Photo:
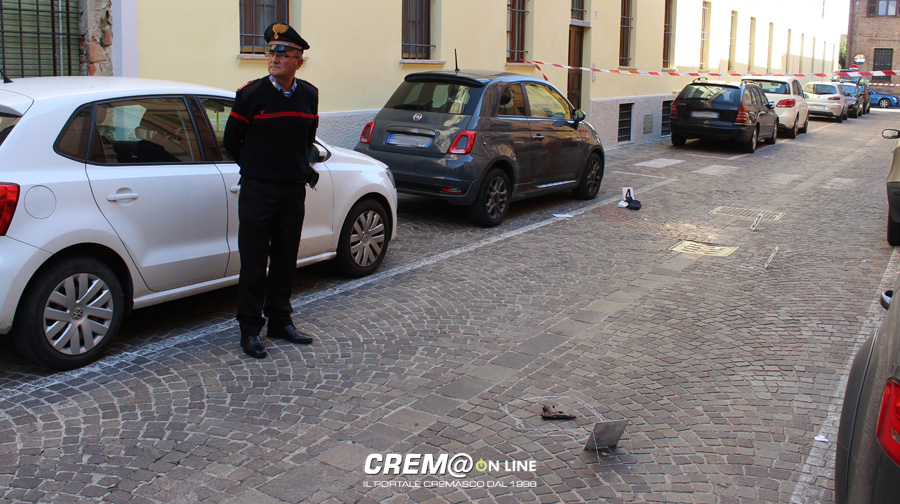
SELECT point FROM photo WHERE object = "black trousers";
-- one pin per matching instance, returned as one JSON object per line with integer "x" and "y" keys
{"x": 271, "y": 219}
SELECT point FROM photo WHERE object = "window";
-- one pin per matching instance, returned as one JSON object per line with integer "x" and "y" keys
{"x": 148, "y": 130}
{"x": 669, "y": 35}
{"x": 704, "y": 37}
{"x": 883, "y": 59}
{"x": 625, "y": 122}
{"x": 217, "y": 111}
{"x": 545, "y": 102}
{"x": 435, "y": 96}
{"x": 416, "y": 29}
{"x": 750, "y": 58}
{"x": 578, "y": 10}
{"x": 515, "y": 31}
{"x": 625, "y": 29}
{"x": 256, "y": 16}
{"x": 882, "y": 8}
{"x": 40, "y": 37}
{"x": 512, "y": 102}
{"x": 732, "y": 41}
{"x": 666, "y": 116}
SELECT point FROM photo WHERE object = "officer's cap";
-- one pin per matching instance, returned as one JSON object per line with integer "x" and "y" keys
{"x": 283, "y": 35}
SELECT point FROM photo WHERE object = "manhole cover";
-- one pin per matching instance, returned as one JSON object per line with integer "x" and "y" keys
{"x": 706, "y": 249}
{"x": 745, "y": 212}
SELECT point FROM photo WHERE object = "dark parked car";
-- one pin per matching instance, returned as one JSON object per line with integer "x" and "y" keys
{"x": 862, "y": 84}
{"x": 855, "y": 98}
{"x": 893, "y": 190}
{"x": 723, "y": 111}
{"x": 483, "y": 139}
{"x": 867, "y": 455}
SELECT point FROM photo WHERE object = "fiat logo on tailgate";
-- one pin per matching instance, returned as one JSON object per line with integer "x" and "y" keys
{"x": 417, "y": 116}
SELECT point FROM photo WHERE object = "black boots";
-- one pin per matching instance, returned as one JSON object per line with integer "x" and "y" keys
{"x": 289, "y": 333}
{"x": 253, "y": 346}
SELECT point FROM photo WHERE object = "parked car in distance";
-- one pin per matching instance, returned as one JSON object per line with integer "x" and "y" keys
{"x": 883, "y": 100}
{"x": 867, "y": 452}
{"x": 786, "y": 93}
{"x": 861, "y": 83}
{"x": 854, "y": 95}
{"x": 737, "y": 112}
{"x": 484, "y": 139}
{"x": 117, "y": 194}
{"x": 826, "y": 99}
{"x": 893, "y": 190}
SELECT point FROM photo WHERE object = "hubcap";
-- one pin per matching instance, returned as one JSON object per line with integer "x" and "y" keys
{"x": 78, "y": 314}
{"x": 497, "y": 198}
{"x": 367, "y": 238}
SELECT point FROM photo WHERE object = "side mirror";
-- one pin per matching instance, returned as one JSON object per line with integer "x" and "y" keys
{"x": 578, "y": 115}
{"x": 890, "y": 134}
{"x": 319, "y": 153}
{"x": 886, "y": 297}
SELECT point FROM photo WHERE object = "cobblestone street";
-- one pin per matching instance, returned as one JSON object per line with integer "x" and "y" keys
{"x": 727, "y": 367}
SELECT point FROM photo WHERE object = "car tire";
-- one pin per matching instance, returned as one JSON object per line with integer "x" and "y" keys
{"x": 792, "y": 132}
{"x": 591, "y": 178}
{"x": 774, "y": 138}
{"x": 854, "y": 113}
{"x": 364, "y": 239}
{"x": 678, "y": 140}
{"x": 840, "y": 118}
{"x": 893, "y": 233}
{"x": 70, "y": 313}
{"x": 492, "y": 201}
{"x": 884, "y": 103}
{"x": 750, "y": 145}
{"x": 805, "y": 127}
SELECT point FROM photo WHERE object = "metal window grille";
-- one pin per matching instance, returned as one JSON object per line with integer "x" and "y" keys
{"x": 666, "y": 116}
{"x": 625, "y": 110}
{"x": 578, "y": 10}
{"x": 39, "y": 37}
{"x": 625, "y": 34}
{"x": 704, "y": 37}
{"x": 416, "y": 29}
{"x": 256, "y": 16}
{"x": 882, "y": 59}
{"x": 515, "y": 31}
{"x": 668, "y": 35}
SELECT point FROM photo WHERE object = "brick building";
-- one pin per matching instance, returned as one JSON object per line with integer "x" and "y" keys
{"x": 874, "y": 34}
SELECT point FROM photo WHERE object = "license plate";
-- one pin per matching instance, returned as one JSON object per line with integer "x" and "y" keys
{"x": 706, "y": 115}
{"x": 403, "y": 140}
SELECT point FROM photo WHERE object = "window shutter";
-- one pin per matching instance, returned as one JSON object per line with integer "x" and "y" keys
{"x": 873, "y": 8}
{"x": 39, "y": 37}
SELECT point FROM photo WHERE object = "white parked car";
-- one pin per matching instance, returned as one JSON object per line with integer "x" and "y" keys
{"x": 116, "y": 194}
{"x": 786, "y": 94}
{"x": 827, "y": 99}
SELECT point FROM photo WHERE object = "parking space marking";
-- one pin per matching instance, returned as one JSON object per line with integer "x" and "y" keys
{"x": 116, "y": 362}
{"x": 821, "y": 456}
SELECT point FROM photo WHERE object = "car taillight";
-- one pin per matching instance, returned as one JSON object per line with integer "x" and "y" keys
{"x": 463, "y": 142}
{"x": 787, "y": 103}
{"x": 9, "y": 196}
{"x": 674, "y": 111}
{"x": 834, "y": 98}
{"x": 366, "y": 135}
{"x": 888, "y": 430}
{"x": 743, "y": 117}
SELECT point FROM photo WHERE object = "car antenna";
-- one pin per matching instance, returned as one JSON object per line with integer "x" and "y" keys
{"x": 455, "y": 60}
{"x": 6, "y": 80}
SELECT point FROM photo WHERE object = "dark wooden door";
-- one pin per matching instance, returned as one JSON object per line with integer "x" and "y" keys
{"x": 576, "y": 57}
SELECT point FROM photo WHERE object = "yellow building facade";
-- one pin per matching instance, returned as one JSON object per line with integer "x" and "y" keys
{"x": 356, "y": 58}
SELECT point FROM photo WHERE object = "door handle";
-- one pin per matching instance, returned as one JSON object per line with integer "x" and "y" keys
{"x": 235, "y": 188}
{"x": 538, "y": 137}
{"x": 122, "y": 196}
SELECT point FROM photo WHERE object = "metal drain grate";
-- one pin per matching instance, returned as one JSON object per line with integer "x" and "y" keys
{"x": 705, "y": 249}
{"x": 745, "y": 212}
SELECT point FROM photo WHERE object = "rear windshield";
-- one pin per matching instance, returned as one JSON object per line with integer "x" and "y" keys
{"x": 774, "y": 87}
{"x": 712, "y": 93}
{"x": 850, "y": 88}
{"x": 7, "y": 121}
{"x": 448, "y": 98}
{"x": 820, "y": 88}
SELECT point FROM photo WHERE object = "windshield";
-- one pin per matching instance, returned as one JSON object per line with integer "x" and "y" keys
{"x": 712, "y": 93}
{"x": 773, "y": 87}
{"x": 820, "y": 89}
{"x": 449, "y": 98}
{"x": 7, "y": 121}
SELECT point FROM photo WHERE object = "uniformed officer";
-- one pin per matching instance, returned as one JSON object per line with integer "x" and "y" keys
{"x": 270, "y": 134}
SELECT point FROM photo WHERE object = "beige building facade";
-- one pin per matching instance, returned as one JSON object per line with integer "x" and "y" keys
{"x": 361, "y": 49}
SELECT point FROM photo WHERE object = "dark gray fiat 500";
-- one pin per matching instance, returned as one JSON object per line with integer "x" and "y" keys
{"x": 484, "y": 139}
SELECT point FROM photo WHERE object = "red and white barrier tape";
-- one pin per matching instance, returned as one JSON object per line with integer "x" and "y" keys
{"x": 875, "y": 73}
